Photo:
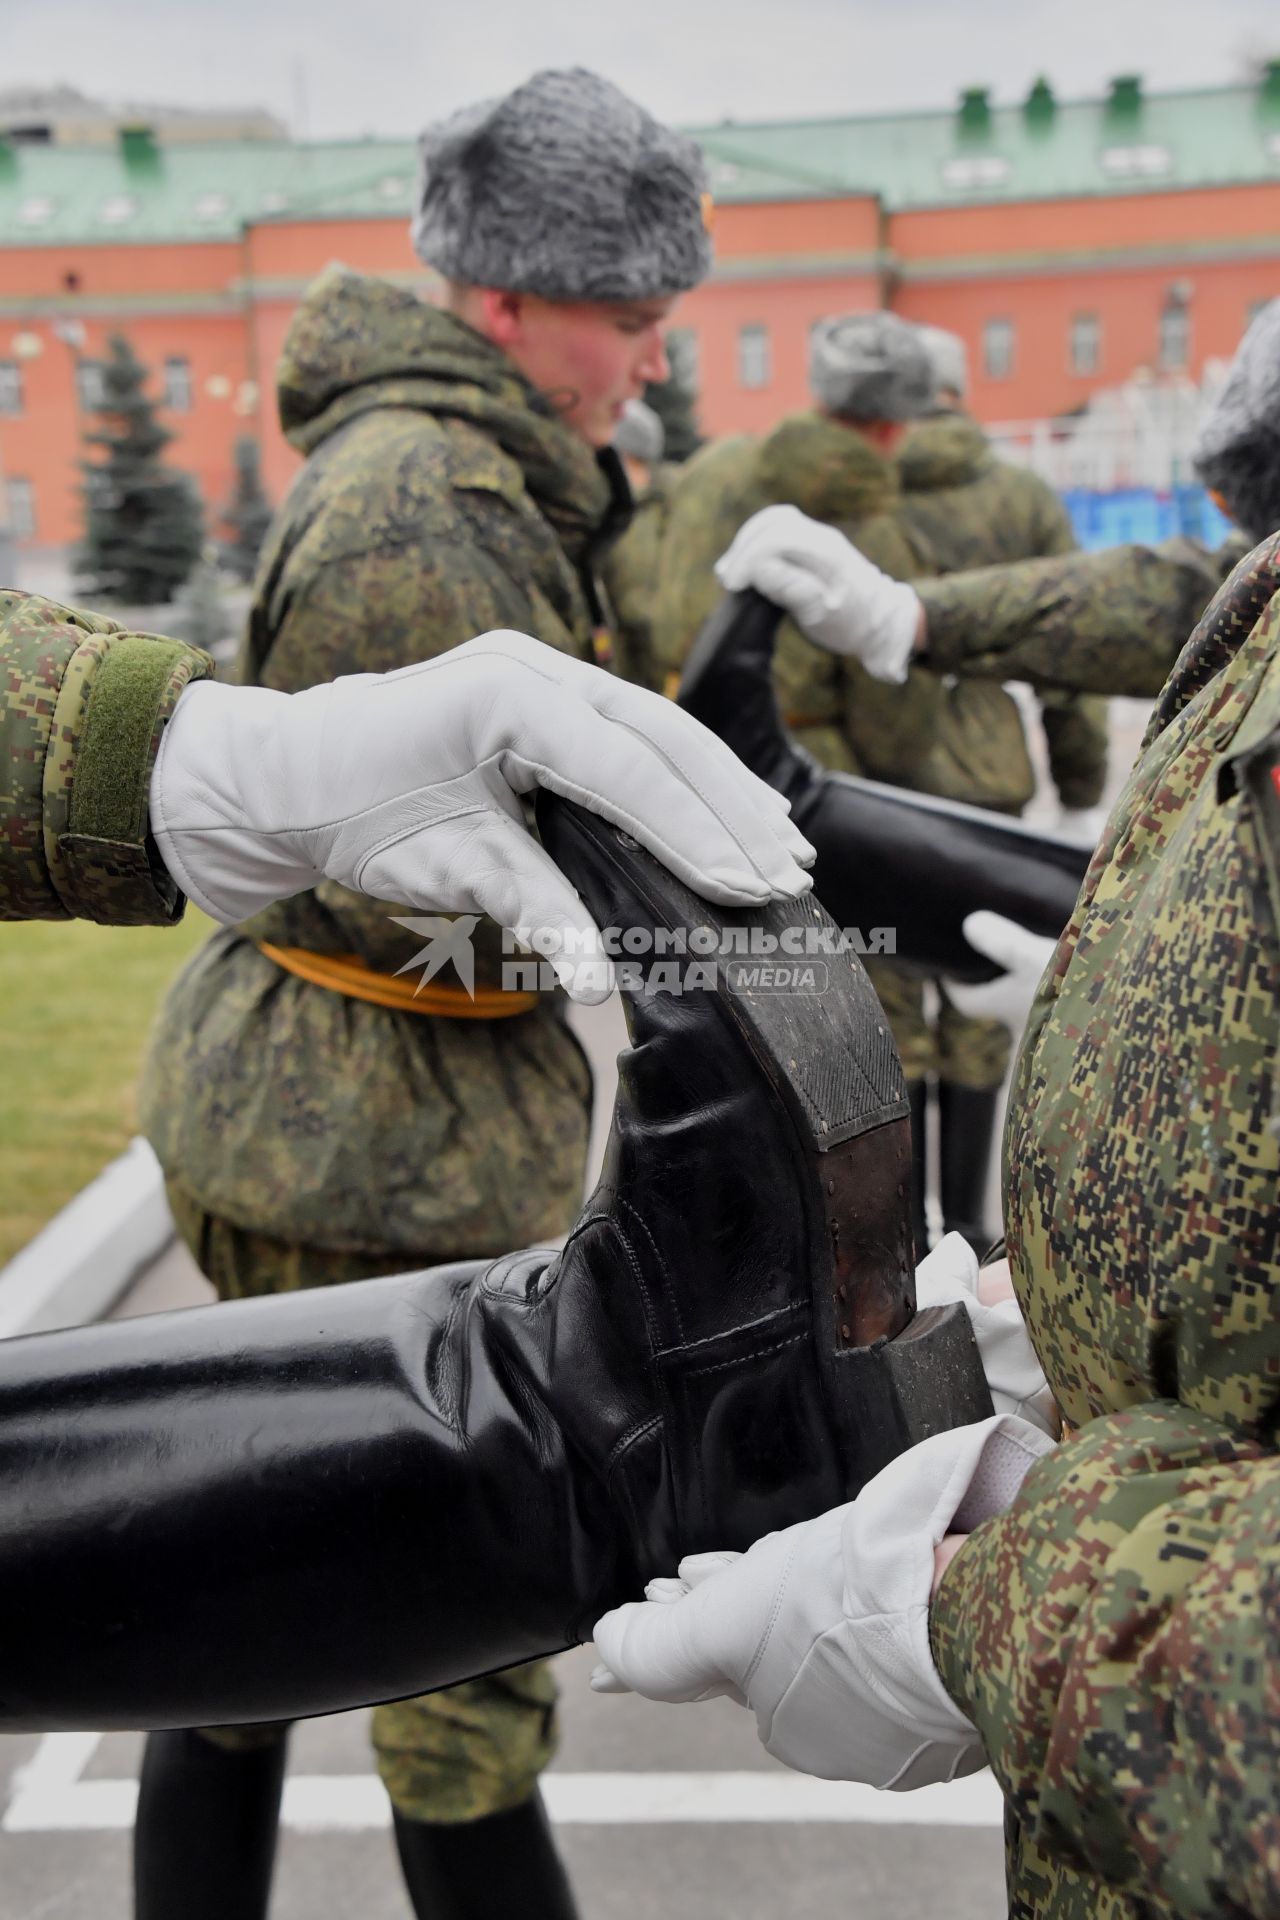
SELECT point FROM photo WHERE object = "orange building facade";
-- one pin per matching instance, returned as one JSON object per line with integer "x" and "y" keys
{"x": 1056, "y": 297}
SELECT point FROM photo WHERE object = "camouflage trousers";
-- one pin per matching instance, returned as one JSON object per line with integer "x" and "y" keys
{"x": 459, "y": 1755}
{"x": 959, "y": 1048}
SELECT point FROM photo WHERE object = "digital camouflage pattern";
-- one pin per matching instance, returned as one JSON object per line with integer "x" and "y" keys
{"x": 845, "y": 718}
{"x": 85, "y": 705}
{"x": 1114, "y": 1635}
{"x": 973, "y": 510}
{"x": 1107, "y": 622}
{"x": 440, "y": 499}
{"x": 630, "y": 575}
{"x": 315, "y": 1137}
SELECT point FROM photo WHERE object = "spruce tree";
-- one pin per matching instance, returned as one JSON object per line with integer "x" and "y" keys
{"x": 676, "y": 407}
{"x": 249, "y": 514}
{"x": 143, "y": 531}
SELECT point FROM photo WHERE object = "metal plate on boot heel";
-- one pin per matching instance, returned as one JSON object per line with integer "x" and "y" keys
{"x": 926, "y": 1380}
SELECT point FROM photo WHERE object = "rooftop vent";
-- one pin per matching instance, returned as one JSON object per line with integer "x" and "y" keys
{"x": 1126, "y": 95}
{"x": 975, "y": 110}
{"x": 1040, "y": 105}
{"x": 138, "y": 146}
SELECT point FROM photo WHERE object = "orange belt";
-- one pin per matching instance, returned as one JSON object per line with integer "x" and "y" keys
{"x": 798, "y": 720}
{"x": 344, "y": 973}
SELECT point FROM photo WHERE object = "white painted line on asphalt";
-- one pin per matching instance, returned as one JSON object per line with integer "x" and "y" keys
{"x": 49, "y": 1796}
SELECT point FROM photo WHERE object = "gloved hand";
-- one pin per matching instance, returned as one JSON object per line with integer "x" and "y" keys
{"x": 823, "y": 1630}
{"x": 405, "y": 786}
{"x": 1014, "y": 1375}
{"x": 836, "y": 596}
{"x": 1023, "y": 955}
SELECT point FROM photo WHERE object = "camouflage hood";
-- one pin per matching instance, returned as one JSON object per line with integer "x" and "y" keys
{"x": 947, "y": 450}
{"x": 826, "y": 469}
{"x": 356, "y": 344}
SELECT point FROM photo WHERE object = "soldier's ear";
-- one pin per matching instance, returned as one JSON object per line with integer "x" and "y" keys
{"x": 502, "y": 315}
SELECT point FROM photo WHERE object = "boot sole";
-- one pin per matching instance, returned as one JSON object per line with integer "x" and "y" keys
{"x": 891, "y": 1375}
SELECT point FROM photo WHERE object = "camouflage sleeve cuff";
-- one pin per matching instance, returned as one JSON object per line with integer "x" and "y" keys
{"x": 85, "y": 708}
{"x": 1047, "y": 1628}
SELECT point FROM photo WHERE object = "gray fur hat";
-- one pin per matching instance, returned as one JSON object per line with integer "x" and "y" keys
{"x": 640, "y": 434}
{"x": 870, "y": 366}
{"x": 949, "y": 358}
{"x": 1237, "y": 450}
{"x": 564, "y": 188}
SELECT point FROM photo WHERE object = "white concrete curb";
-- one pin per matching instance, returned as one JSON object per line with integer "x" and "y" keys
{"x": 87, "y": 1257}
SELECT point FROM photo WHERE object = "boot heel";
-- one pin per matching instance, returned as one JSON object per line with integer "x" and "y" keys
{"x": 815, "y": 1029}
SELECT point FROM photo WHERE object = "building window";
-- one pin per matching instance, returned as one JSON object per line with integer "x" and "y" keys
{"x": 754, "y": 368}
{"x": 682, "y": 355}
{"x": 177, "y": 384}
{"x": 1175, "y": 336}
{"x": 1136, "y": 163}
{"x": 21, "y": 501}
{"x": 90, "y": 387}
{"x": 116, "y": 209}
{"x": 1086, "y": 343}
{"x": 975, "y": 170}
{"x": 997, "y": 349}
{"x": 10, "y": 388}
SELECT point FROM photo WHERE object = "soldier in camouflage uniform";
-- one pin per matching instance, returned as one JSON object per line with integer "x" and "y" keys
{"x": 869, "y": 376}
{"x": 971, "y": 509}
{"x": 631, "y": 567}
{"x": 454, "y": 483}
{"x": 1111, "y": 1634}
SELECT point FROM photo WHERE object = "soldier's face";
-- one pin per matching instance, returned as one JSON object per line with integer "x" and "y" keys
{"x": 589, "y": 357}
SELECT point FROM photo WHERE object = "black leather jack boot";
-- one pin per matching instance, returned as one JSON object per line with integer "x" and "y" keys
{"x": 918, "y": 1094}
{"x": 886, "y": 857}
{"x": 967, "y": 1126}
{"x": 287, "y": 1506}
{"x": 505, "y": 1864}
{"x": 204, "y": 1845}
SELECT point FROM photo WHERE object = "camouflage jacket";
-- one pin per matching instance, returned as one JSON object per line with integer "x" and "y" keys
{"x": 1107, "y": 622}
{"x": 630, "y": 576}
{"x": 1116, "y": 1634}
{"x": 84, "y": 707}
{"x": 973, "y": 510}
{"x": 441, "y": 497}
{"x": 833, "y": 707}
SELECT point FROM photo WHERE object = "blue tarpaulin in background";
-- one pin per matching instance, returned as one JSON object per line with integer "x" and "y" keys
{"x": 1140, "y": 514}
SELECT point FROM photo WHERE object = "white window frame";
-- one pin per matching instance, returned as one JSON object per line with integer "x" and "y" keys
{"x": 1085, "y": 327}
{"x": 20, "y": 504}
{"x": 755, "y": 356}
{"x": 11, "y": 395}
{"x": 179, "y": 393}
{"x": 1001, "y": 364}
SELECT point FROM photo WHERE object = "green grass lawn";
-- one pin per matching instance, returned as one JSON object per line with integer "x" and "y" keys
{"x": 75, "y": 1004}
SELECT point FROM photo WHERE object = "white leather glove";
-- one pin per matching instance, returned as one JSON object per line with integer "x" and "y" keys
{"x": 1023, "y": 955}
{"x": 823, "y": 1630}
{"x": 405, "y": 786}
{"x": 1014, "y": 1375}
{"x": 835, "y": 595}
{"x": 1082, "y": 824}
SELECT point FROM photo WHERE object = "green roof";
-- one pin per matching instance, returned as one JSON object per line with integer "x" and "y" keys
{"x": 1043, "y": 149}
{"x": 52, "y": 195}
